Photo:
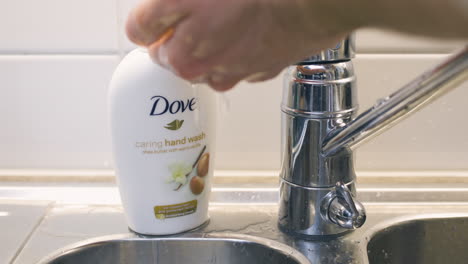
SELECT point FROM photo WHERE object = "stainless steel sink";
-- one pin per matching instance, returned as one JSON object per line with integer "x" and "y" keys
{"x": 411, "y": 220}
{"x": 420, "y": 238}
{"x": 433, "y": 240}
{"x": 210, "y": 249}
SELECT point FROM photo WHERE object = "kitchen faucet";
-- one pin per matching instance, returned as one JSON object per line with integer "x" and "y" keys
{"x": 320, "y": 132}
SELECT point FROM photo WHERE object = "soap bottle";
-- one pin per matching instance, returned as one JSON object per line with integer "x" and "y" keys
{"x": 163, "y": 135}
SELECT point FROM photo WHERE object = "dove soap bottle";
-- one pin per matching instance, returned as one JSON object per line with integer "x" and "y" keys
{"x": 163, "y": 132}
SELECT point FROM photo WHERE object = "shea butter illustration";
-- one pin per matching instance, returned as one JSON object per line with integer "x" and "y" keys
{"x": 180, "y": 173}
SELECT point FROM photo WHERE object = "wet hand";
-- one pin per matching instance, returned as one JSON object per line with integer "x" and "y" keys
{"x": 222, "y": 42}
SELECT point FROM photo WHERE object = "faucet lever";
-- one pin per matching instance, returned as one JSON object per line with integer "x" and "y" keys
{"x": 340, "y": 207}
{"x": 421, "y": 91}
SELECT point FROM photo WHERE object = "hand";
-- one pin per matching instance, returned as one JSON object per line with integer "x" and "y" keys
{"x": 222, "y": 42}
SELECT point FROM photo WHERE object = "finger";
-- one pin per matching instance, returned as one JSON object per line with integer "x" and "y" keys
{"x": 152, "y": 18}
{"x": 200, "y": 44}
{"x": 223, "y": 83}
{"x": 158, "y": 51}
{"x": 176, "y": 52}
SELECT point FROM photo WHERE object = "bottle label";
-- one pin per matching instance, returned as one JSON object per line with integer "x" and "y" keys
{"x": 161, "y": 105}
{"x": 175, "y": 210}
{"x": 179, "y": 147}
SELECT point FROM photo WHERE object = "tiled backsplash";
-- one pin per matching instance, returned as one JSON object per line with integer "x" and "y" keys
{"x": 57, "y": 56}
{"x": 58, "y": 26}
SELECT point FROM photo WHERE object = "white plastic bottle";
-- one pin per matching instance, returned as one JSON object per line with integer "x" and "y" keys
{"x": 163, "y": 132}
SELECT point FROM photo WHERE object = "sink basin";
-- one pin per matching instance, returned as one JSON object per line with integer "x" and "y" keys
{"x": 209, "y": 249}
{"x": 407, "y": 223}
{"x": 435, "y": 240}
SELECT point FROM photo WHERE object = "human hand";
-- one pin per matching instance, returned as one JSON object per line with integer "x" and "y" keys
{"x": 222, "y": 42}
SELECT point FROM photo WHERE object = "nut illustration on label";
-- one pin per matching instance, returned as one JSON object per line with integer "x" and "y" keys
{"x": 197, "y": 185}
{"x": 180, "y": 173}
{"x": 203, "y": 165}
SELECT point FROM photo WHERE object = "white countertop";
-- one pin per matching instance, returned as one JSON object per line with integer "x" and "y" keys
{"x": 18, "y": 220}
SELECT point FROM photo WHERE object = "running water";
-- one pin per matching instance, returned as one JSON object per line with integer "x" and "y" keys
{"x": 196, "y": 117}
{"x": 224, "y": 104}
{"x": 222, "y": 99}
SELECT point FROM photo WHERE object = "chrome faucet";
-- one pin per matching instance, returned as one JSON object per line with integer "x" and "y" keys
{"x": 320, "y": 131}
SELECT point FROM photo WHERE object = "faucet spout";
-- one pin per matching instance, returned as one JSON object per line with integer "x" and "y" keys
{"x": 388, "y": 111}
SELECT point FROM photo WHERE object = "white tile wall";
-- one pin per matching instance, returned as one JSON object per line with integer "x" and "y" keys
{"x": 125, "y": 6}
{"x": 58, "y": 26}
{"x": 56, "y": 57}
{"x": 434, "y": 138}
{"x": 53, "y": 111}
{"x": 249, "y": 128}
{"x": 380, "y": 41}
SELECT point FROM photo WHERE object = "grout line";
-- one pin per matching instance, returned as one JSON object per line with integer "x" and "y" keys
{"x": 119, "y": 24}
{"x": 393, "y": 55}
{"x": 121, "y": 50}
{"x": 397, "y": 52}
{"x": 15, "y": 54}
{"x": 34, "y": 229}
{"x": 232, "y": 176}
{"x": 416, "y": 203}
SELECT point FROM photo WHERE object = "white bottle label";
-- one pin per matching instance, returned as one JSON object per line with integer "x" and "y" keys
{"x": 180, "y": 148}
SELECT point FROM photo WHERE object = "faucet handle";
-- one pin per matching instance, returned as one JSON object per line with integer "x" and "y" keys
{"x": 342, "y": 51}
{"x": 342, "y": 209}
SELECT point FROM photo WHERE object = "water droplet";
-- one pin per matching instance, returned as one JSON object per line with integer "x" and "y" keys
{"x": 224, "y": 104}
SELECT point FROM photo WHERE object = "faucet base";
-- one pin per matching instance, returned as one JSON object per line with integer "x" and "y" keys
{"x": 301, "y": 210}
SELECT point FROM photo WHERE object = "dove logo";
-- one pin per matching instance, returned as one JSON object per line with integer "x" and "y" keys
{"x": 161, "y": 105}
